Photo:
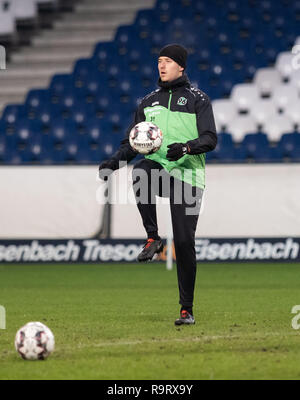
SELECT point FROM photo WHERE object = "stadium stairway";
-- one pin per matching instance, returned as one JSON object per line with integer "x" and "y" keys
{"x": 55, "y": 50}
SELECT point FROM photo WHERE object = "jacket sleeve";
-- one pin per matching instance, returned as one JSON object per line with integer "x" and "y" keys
{"x": 207, "y": 140}
{"x": 125, "y": 151}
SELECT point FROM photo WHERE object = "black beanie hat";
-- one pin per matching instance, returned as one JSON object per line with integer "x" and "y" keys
{"x": 175, "y": 52}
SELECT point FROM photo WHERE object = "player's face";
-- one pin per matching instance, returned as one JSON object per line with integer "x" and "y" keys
{"x": 168, "y": 69}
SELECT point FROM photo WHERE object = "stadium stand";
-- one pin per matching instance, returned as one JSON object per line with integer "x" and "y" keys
{"x": 241, "y": 57}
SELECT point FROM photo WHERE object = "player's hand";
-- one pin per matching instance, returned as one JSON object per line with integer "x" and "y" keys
{"x": 176, "y": 151}
{"x": 106, "y": 168}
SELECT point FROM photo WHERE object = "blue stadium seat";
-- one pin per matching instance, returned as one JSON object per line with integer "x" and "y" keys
{"x": 3, "y": 147}
{"x": 13, "y": 112}
{"x": 225, "y": 151}
{"x": 71, "y": 149}
{"x": 82, "y": 70}
{"x": 89, "y": 156}
{"x": 94, "y": 84}
{"x": 115, "y": 119}
{"x": 104, "y": 102}
{"x": 125, "y": 38}
{"x": 96, "y": 130}
{"x": 103, "y": 55}
{"x": 3, "y": 128}
{"x": 47, "y": 113}
{"x": 183, "y": 33}
{"x": 256, "y": 147}
{"x": 13, "y": 157}
{"x": 137, "y": 55}
{"x": 70, "y": 99}
{"x": 35, "y": 100}
{"x": 148, "y": 75}
{"x": 26, "y": 131}
{"x": 62, "y": 130}
{"x": 144, "y": 24}
{"x": 34, "y": 153}
{"x": 59, "y": 84}
{"x": 289, "y": 145}
{"x": 108, "y": 147}
{"x": 81, "y": 114}
{"x": 157, "y": 40}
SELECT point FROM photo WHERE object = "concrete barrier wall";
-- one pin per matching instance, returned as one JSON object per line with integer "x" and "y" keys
{"x": 63, "y": 202}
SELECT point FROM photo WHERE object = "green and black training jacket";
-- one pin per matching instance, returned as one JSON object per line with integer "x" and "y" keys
{"x": 184, "y": 115}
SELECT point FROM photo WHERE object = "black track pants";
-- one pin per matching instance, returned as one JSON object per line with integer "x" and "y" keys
{"x": 150, "y": 179}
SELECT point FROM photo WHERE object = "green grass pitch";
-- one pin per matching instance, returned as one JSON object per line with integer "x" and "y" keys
{"x": 117, "y": 322}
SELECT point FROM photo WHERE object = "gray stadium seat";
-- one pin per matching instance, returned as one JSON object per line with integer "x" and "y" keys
{"x": 284, "y": 64}
{"x": 24, "y": 9}
{"x": 295, "y": 79}
{"x": 266, "y": 79}
{"x": 284, "y": 95}
{"x": 293, "y": 112}
{"x": 263, "y": 110}
{"x": 7, "y": 22}
{"x": 224, "y": 111}
{"x": 244, "y": 95}
{"x": 242, "y": 125}
{"x": 276, "y": 126}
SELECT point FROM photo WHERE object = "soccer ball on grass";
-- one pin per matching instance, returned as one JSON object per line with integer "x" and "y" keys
{"x": 145, "y": 138}
{"x": 34, "y": 341}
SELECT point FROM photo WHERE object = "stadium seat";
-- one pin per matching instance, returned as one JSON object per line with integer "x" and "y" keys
{"x": 13, "y": 112}
{"x": 284, "y": 64}
{"x": 224, "y": 151}
{"x": 80, "y": 115}
{"x": 266, "y": 79}
{"x": 96, "y": 130}
{"x": 244, "y": 95}
{"x": 295, "y": 79}
{"x": 263, "y": 110}
{"x": 256, "y": 147}
{"x": 224, "y": 112}
{"x": 82, "y": 70}
{"x": 276, "y": 126}
{"x": 71, "y": 149}
{"x": 34, "y": 152}
{"x": 47, "y": 113}
{"x": 144, "y": 24}
{"x": 289, "y": 145}
{"x": 3, "y": 147}
{"x": 103, "y": 103}
{"x": 26, "y": 130}
{"x": 108, "y": 147}
{"x": 241, "y": 125}
{"x": 103, "y": 54}
{"x": 7, "y": 20}
{"x": 116, "y": 121}
{"x": 24, "y": 9}
{"x": 292, "y": 111}
{"x": 69, "y": 99}
{"x": 95, "y": 83}
{"x": 35, "y": 101}
{"x": 61, "y": 131}
{"x": 3, "y": 127}
{"x": 59, "y": 84}
{"x": 285, "y": 95}
{"x": 147, "y": 75}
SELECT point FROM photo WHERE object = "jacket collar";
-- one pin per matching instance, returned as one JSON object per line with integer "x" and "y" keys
{"x": 179, "y": 82}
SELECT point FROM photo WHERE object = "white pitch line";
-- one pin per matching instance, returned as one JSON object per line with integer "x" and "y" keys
{"x": 203, "y": 339}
